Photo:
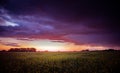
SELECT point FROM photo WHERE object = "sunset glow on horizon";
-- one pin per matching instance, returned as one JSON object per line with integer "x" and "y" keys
{"x": 44, "y": 45}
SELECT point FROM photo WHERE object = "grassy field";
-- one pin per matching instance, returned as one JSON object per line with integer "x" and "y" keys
{"x": 60, "y": 62}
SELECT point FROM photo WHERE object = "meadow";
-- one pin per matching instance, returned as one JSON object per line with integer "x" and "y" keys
{"x": 60, "y": 62}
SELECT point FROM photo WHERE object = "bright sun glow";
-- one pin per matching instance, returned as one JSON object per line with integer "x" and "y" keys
{"x": 51, "y": 48}
{"x": 48, "y": 45}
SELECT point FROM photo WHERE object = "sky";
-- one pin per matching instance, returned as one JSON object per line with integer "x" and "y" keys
{"x": 59, "y": 25}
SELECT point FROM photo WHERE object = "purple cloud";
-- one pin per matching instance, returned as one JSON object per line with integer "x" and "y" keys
{"x": 10, "y": 44}
{"x": 25, "y": 39}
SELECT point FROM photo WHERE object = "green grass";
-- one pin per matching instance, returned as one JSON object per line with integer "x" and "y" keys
{"x": 60, "y": 62}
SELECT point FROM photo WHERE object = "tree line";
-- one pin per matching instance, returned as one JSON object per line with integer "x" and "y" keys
{"x": 22, "y": 50}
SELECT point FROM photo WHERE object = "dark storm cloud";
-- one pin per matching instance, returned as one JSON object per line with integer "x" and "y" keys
{"x": 24, "y": 25}
{"x": 82, "y": 21}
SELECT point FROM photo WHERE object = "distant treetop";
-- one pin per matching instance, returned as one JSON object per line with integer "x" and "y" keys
{"x": 22, "y": 50}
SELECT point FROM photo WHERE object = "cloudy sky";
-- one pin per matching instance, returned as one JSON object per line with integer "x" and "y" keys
{"x": 63, "y": 25}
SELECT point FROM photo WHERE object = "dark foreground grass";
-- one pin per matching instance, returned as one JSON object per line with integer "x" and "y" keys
{"x": 60, "y": 62}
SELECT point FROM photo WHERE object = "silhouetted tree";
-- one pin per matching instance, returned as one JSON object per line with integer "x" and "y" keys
{"x": 86, "y": 50}
{"x": 3, "y": 51}
{"x": 22, "y": 50}
{"x": 109, "y": 50}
